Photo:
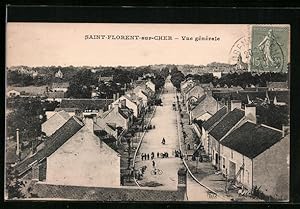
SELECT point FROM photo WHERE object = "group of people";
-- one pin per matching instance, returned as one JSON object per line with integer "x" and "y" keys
{"x": 145, "y": 156}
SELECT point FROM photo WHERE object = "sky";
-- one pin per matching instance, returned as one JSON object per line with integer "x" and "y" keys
{"x": 64, "y": 44}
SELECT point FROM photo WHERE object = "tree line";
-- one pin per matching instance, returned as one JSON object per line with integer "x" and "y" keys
{"x": 241, "y": 79}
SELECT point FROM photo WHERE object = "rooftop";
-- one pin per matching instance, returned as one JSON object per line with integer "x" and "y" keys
{"x": 227, "y": 123}
{"x": 206, "y": 104}
{"x": 215, "y": 118}
{"x": 86, "y": 104}
{"x": 106, "y": 193}
{"x": 72, "y": 126}
{"x": 251, "y": 139}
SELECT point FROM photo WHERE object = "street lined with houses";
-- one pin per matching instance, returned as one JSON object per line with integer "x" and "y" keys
{"x": 191, "y": 139}
{"x": 164, "y": 121}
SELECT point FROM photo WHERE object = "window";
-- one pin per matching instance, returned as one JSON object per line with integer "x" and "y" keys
{"x": 231, "y": 154}
{"x": 223, "y": 162}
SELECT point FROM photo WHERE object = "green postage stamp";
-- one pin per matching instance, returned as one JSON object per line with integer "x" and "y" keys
{"x": 269, "y": 48}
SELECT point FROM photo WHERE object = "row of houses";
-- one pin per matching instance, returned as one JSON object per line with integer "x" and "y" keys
{"x": 84, "y": 131}
{"x": 253, "y": 155}
{"x": 202, "y": 100}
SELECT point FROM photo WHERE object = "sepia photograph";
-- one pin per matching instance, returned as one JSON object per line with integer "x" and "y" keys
{"x": 147, "y": 112}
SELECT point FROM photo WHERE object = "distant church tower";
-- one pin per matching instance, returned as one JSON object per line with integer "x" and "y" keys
{"x": 59, "y": 74}
{"x": 240, "y": 65}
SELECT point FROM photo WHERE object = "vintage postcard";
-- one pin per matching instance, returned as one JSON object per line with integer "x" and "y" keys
{"x": 147, "y": 112}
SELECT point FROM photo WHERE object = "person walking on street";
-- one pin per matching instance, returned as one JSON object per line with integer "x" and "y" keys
{"x": 148, "y": 156}
{"x": 153, "y": 164}
{"x": 157, "y": 155}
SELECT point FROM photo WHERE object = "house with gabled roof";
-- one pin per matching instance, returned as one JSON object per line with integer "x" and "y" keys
{"x": 150, "y": 85}
{"x": 209, "y": 125}
{"x": 13, "y": 93}
{"x": 195, "y": 93}
{"x": 96, "y": 163}
{"x": 232, "y": 120}
{"x": 86, "y": 106}
{"x": 203, "y": 108}
{"x": 132, "y": 101}
{"x": 186, "y": 83}
{"x": 257, "y": 155}
{"x": 55, "y": 122}
{"x": 118, "y": 114}
{"x": 186, "y": 88}
{"x": 57, "y": 139}
{"x": 61, "y": 86}
{"x": 143, "y": 93}
{"x": 55, "y": 96}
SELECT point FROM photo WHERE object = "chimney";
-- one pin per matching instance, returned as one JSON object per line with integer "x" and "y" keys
{"x": 235, "y": 104}
{"x": 118, "y": 95}
{"x": 116, "y": 107}
{"x": 250, "y": 112}
{"x": 18, "y": 142}
{"x": 114, "y": 97}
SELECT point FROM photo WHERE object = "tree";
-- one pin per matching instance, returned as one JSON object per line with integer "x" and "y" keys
{"x": 13, "y": 184}
{"x": 176, "y": 77}
{"x": 28, "y": 114}
{"x": 272, "y": 115}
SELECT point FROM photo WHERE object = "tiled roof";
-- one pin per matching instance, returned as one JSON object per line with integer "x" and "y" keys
{"x": 72, "y": 126}
{"x": 196, "y": 91}
{"x": 122, "y": 111}
{"x": 215, "y": 118}
{"x": 240, "y": 95}
{"x": 55, "y": 122}
{"x": 228, "y": 122}
{"x": 106, "y": 194}
{"x": 207, "y": 104}
{"x": 251, "y": 139}
{"x": 85, "y": 104}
